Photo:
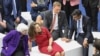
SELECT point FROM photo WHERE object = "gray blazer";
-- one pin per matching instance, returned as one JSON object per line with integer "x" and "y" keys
{"x": 62, "y": 22}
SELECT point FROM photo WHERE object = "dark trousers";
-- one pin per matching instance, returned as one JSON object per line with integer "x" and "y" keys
{"x": 7, "y": 29}
{"x": 55, "y": 34}
{"x": 68, "y": 10}
{"x": 80, "y": 40}
{"x": 2, "y": 29}
{"x": 18, "y": 53}
{"x": 93, "y": 14}
{"x": 11, "y": 21}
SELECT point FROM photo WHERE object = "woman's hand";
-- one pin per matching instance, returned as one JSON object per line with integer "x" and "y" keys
{"x": 49, "y": 48}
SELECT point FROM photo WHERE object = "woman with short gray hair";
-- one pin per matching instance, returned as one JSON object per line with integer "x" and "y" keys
{"x": 15, "y": 43}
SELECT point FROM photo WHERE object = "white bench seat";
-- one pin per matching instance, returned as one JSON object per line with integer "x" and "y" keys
{"x": 71, "y": 49}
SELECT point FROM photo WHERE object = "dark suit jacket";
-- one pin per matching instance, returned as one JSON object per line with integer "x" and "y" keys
{"x": 39, "y": 8}
{"x": 7, "y": 4}
{"x": 92, "y": 3}
{"x": 11, "y": 40}
{"x": 86, "y": 28}
{"x": 62, "y": 22}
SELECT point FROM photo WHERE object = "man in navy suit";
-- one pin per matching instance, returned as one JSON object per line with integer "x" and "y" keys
{"x": 12, "y": 12}
{"x": 82, "y": 27}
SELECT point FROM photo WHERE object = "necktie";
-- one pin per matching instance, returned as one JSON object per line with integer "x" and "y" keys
{"x": 14, "y": 9}
{"x": 53, "y": 23}
{"x": 64, "y": 2}
{"x": 78, "y": 28}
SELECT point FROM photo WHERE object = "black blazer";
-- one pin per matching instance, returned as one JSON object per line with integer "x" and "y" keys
{"x": 62, "y": 22}
{"x": 86, "y": 28}
{"x": 92, "y": 3}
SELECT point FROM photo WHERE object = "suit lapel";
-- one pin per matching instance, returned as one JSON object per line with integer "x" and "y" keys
{"x": 59, "y": 18}
{"x": 83, "y": 22}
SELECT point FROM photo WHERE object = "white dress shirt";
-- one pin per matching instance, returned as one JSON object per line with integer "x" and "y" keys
{"x": 80, "y": 29}
{"x": 56, "y": 22}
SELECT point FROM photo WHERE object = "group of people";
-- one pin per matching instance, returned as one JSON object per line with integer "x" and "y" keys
{"x": 49, "y": 25}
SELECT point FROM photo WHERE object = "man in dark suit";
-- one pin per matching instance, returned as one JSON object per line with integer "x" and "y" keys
{"x": 92, "y": 11}
{"x": 12, "y": 12}
{"x": 82, "y": 27}
{"x": 55, "y": 20}
{"x": 38, "y": 6}
{"x": 4, "y": 26}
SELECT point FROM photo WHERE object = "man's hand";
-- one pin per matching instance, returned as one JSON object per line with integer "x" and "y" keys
{"x": 3, "y": 24}
{"x": 33, "y": 4}
{"x": 49, "y": 48}
{"x": 85, "y": 43}
{"x": 65, "y": 39}
{"x": 17, "y": 20}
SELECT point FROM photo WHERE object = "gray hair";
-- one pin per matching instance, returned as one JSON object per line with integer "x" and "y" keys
{"x": 21, "y": 27}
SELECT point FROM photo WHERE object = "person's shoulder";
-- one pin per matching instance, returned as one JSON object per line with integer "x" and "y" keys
{"x": 13, "y": 31}
{"x": 44, "y": 29}
{"x": 48, "y": 11}
{"x": 86, "y": 17}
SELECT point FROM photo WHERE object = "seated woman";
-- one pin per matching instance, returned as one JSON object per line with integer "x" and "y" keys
{"x": 44, "y": 40}
{"x": 15, "y": 43}
{"x": 96, "y": 50}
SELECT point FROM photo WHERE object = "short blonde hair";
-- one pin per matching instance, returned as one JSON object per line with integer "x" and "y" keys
{"x": 21, "y": 27}
{"x": 56, "y": 3}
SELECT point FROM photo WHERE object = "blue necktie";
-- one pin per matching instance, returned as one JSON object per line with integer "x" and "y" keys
{"x": 14, "y": 9}
{"x": 78, "y": 28}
